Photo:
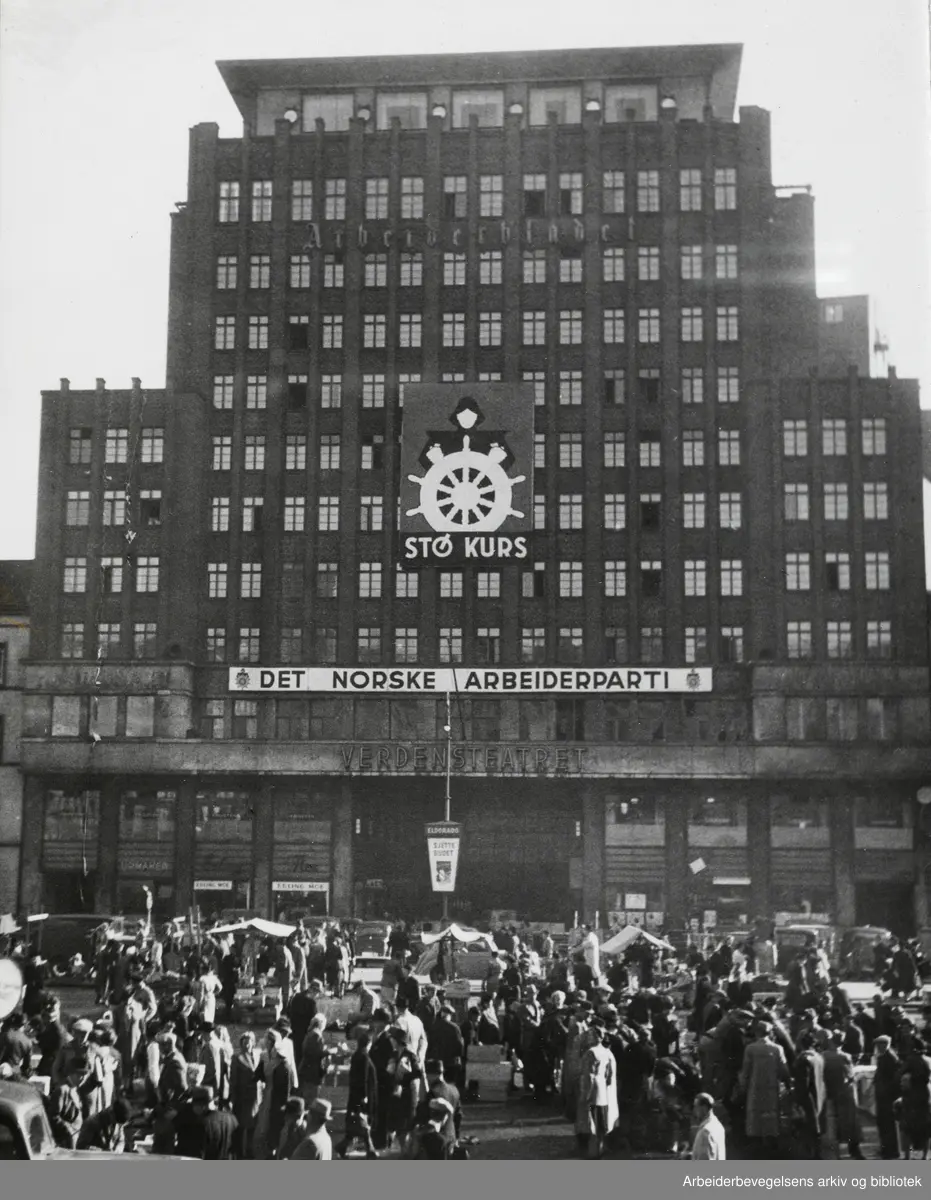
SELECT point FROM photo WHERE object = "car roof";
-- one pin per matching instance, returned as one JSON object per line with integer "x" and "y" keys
{"x": 18, "y": 1094}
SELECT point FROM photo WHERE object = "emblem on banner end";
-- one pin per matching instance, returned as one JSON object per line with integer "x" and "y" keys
{"x": 693, "y": 681}
{"x": 242, "y": 678}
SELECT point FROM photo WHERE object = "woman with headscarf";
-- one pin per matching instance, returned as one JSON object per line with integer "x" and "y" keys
{"x": 278, "y": 1075}
{"x": 315, "y": 1057}
{"x": 245, "y": 1092}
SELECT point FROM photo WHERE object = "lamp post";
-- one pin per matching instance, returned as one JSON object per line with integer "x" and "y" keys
{"x": 448, "y": 727}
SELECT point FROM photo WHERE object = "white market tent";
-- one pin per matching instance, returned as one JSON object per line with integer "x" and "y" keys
{"x": 619, "y": 942}
{"x": 269, "y": 928}
{"x": 460, "y": 934}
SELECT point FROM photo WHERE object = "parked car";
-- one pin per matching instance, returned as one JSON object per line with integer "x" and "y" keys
{"x": 856, "y": 950}
{"x": 371, "y": 939}
{"x": 790, "y": 939}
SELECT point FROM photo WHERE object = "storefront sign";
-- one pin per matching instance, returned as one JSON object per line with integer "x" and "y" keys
{"x": 487, "y": 759}
{"x": 635, "y": 900}
{"x": 443, "y": 851}
{"x": 295, "y": 885}
{"x": 137, "y": 865}
{"x": 709, "y": 918}
{"x": 213, "y": 885}
{"x": 492, "y": 234}
{"x": 495, "y": 681}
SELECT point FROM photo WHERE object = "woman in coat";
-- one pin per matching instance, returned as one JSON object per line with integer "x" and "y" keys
{"x": 130, "y": 1023}
{"x": 596, "y": 1111}
{"x": 245, "y": 1092}
{"x": 278, "y": 1074}
{"x": 315, "y": 1058}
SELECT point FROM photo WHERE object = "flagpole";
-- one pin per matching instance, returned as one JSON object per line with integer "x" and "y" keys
{"x": 448, "y": 802}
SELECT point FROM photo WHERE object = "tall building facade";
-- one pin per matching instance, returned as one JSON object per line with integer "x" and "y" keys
{"x": 593, "y": 225}
{"x": 15, "y": 577}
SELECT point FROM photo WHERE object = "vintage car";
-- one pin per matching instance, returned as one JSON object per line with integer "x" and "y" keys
{"x": 857, "y": 946}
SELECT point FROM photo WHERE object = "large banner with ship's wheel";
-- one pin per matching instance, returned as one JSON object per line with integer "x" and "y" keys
{"x": 466, "y": 473}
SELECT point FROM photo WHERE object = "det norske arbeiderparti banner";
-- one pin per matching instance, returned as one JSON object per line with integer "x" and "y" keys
{"x": 466, "y": 473}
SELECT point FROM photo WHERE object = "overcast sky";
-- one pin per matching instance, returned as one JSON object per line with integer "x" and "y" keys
{"x": 97, "y": 96}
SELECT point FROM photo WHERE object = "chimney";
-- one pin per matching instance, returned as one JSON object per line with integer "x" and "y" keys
{"x": 101, "y": 384}
{"x": 137, "y": 383}
{"x": 65, "y": 385}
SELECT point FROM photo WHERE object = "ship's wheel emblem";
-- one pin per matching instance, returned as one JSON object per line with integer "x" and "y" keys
{"x": 466, "y": 490}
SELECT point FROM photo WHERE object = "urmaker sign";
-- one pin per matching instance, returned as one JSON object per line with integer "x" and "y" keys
{"x": 466, "y": 473}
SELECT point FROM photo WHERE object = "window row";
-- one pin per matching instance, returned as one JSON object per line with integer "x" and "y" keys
{"x": 876, "y": 571}
{"x": 839, "y": 640}
{"x": 114, "y": 502}
{"x": 77, "y": 641}
{"x": 795, "y": 437}
{"x": 144, "y": 571}
{"x": 620, "y": 192}
{"x": 836, "y": 501}
{"x": 148, "y": 447}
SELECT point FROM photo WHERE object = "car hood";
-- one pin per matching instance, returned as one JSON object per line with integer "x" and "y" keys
{"x": 59, "y": 1155}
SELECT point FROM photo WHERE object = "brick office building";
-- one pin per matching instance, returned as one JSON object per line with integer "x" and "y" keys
{"x": 595, "y": 224}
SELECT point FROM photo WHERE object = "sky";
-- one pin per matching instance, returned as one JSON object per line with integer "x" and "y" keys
{"x": 97, "y": 96}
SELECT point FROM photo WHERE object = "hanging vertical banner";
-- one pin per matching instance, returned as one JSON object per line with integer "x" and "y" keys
{"x": 443, "y": 851}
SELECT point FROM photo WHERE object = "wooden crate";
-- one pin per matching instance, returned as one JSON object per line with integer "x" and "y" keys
{"x": 484, "y": 1054}
{"x": 493, "y": 1078}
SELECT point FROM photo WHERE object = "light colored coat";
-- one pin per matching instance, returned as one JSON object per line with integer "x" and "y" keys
{"x": 597, "y": 1088}
{"x": 709, "y": 1140}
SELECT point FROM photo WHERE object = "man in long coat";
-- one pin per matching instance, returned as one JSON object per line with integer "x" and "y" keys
{"x": 764, "y": 1067}
{"x": 887, "y": 1091}
{"x": 597, "y": 1111}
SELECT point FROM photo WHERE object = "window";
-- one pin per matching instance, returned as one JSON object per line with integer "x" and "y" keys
{"x": 563, "y": 103}
{"x": 879, "y": 639}
{"x": 370, "y": 581}
{"x": 538, "y": 379}
{"x": 833, "y": 314}
{"x": 570, "y": 193}
{"x": 539, "y": 512}
{"x": 690, "y": 189}
{"x": 216, "y": 580}
{"x": 725, "y": 262}
{"x": 374, "y": 330}
{"x": 533, "y": 582}
{"x": 213, "y": 719}
{"x": 331, "y": 391}
{"x": 732, "y": 643}
{"x": 693, "y": 448}
{"x": 648, "y": 325}
{"x": 405, "y": 645}
{"x": 454, "y": 329}
{"x": 487, "y": 645}
{"x": 613, "y": 326}
{"x": 570, "y": 510}
{"x": 696, "y": 644}
{"x": 570, "y": 449}
{"x": 409, "y": 109}
{"x": 302, "y": 200}
{"x": 258, "y": 333}
{"x": 117, "y": 445}
{"x": 327, "y": 585}
{"x": 150, "y": 507}
{"x": 534, "y": 266}
{"x": 875, "y": 501}
{"x": 373, "y": 391}
{"x": 539, "y": 450}
{"x": 332, "y": 331}
{"x": 570, "y": 327}
{"x": 798, "y": 572}
{"x": 226, "y": 272}
{"x": 690, "y": 324}
{"x": 693, "y": 510}
{"x": 795, "y": 501}
{"x": 455, "y": 197}
{"x": 372, "y": 452}
{"x": 245, "y": 719}
{"x": 690, "y": 262}
{"x": 216, "y": 645}
{"x": 376, "y": 270}
{"x": 108, "y": 639}
{"x": 329, "y": 452}
{"x": 250, "y": 581}
{"x": 219, "y": 514}
{"x": 328, "y": 514}
{"x": 873, "y": 435}
{"x": 262, "y": 200}
{"x": 570, "y": 267}
{"x": 145, "y": 637}
{"x": 833, "y": 437}
{"x": 726, "y": 323}
{"x": 695, "y": 577}
{"x": 486, "y": 106}
{"x": 876, "y": 563}
{"x": 411, "y": 197}
{"x": 371, "y": 514}
{"x": 450, "y": 585}
{"x": 651, "y": 577}
{"x": 650, "y": 510}
{"x": 79, "y": 446}
{"x": 795, "y": 439}
{"x": 72, "y": 639}
{"x": 222, "y": 452}
{"x": 333, "y": 272}
{"x": 798, "y": 639}
{"x": 410, "y": 330}
{"x": 569, "y": 644}
{"x": 729, "y": 510}
{"x": 615, "y": 578}
{"x": 147, "y": 574}
{"x": 152, "y": 447}
{"x": 725, "y": 189}
{"x": 841, "y": 719}
{"x": 454, "y": 270}
{"x": 732, "y": 577}
{"x": 254, "y": 452}
{"x": 260, "y": 270}
{"x": 534, "y": 195}
{"x": 334, "y": 203}
{"x": 570, "y": 580}
{"x": 376, "y": 199}
{"x": 651, "y": 644}
{"x": 489, "y": 329}
{"x": 294, "y": 507}
{"x": 491, "y": 195}
{"x": 223, "y": 391}
{"x": 839, "y": 639}
{"x": 325, "y": 643}
{"x": 728, "y": 448}
{"x": 881, "y": 721}
{"x": 490, "y": 266}
{"x": 728, "y": 385}
{"x": 77, "y": 508}
{"x": 648, "y": 263}
{"x": 411, "y": 270}
{"x": 450, "y": 640}
{"x": 229, "y": 202}
{"x": 648, "y": 191}
{"x": 256, "y": 391}
{"x": 75, "y": 576}
{"x": 111, "y": 575}
{"x": 650, "y": 453}
{"x": 614, "y": 386}
{"x": 612, "y": 191}
{"x": 837, "y": 571}
{"x": 836, "y": 506}
{"x": 532, "y": 645}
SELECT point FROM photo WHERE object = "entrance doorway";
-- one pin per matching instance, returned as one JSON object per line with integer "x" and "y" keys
{"x": 887, "y": 905}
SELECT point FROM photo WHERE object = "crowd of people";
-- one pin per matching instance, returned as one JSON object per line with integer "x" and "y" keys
{"x": 643, "y": 1055}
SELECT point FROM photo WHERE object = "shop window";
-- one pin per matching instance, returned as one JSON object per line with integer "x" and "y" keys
{"x": 140, "y": 716}
{"x": 103, "y": 716}
{"x": 570, "y": 719}
{"x": 303, "y": 817}
{"x": 72, "y": 817}
{"x": 880, "y": 812}
{"x": 797, "y": 812}
{"x": 713, "y": 811}
{"x": 223, "y": 816}
{"x": 634, "y": 810}
{"x": 148, "y": 817}
{"x": 66, "y": 716}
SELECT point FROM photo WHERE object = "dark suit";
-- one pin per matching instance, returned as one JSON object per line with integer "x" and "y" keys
{"x": 887, "y": 1090}
{"x": 445, "y": 1043}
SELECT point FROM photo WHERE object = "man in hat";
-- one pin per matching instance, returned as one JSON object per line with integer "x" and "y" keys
{"x": 428, "y": 1140}
{"x": 317, "y": 1143}
{"x": 294, "y": 1129}
{"x": 362, "y": 1101}
{"x": 445, "y": 1042}
{"x": 381, "y": 1053}
{"x": 439, "y": 1089}
{"x": 172, "y": 1080}
{"x": 303, "y": 1009}
{"x": 709, "y": 1143}
{"x": 428, "y": 1009}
